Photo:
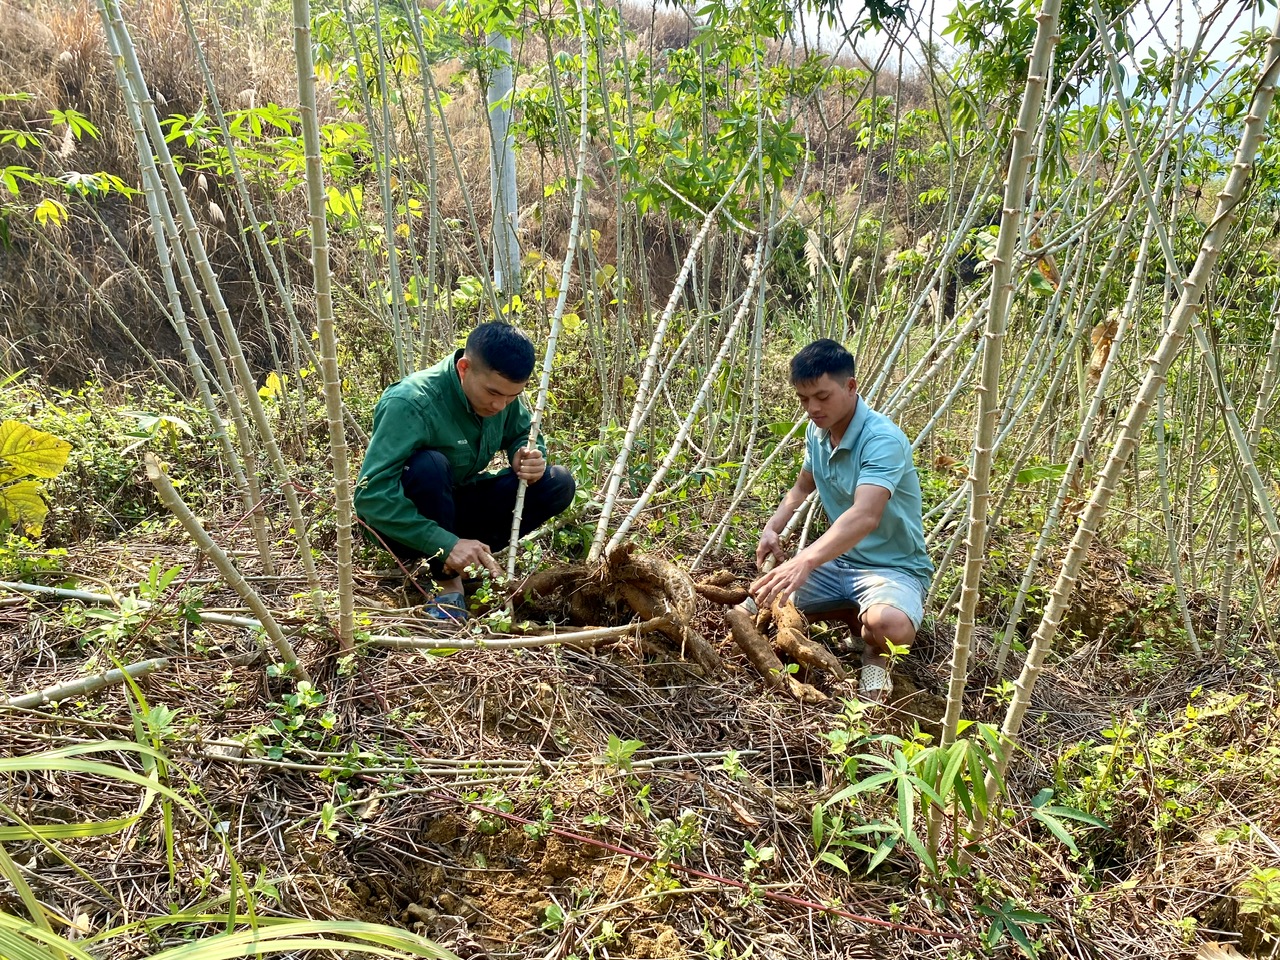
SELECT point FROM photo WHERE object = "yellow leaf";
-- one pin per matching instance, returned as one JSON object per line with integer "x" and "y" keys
{"x": 272, "y": 387}
{"x": 31, "y": 452}
{"x": 571, "y": 322}
{"x": 337, "y": 203}
{"x": 50, "y": 211}
{"x": 23, "y": 506}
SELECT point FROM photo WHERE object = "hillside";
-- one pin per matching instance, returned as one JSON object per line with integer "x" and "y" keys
{"x": 1053, "y": 275}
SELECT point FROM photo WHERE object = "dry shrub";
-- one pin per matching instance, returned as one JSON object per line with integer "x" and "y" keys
{"x": 659, "y": 27}
{"x": 62, "y": 284}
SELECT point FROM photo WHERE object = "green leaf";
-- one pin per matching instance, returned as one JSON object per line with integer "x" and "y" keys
{"x": 1027, "y": 916}
{"x": 995, "y": 934}
{"x": 980, "y": 798}
{"x": 1057, "y": 829}
{"x": 906, "y": 804}
{"x": 861, "y": 786}
{"x": 925, "y": 857}
{"x": 964, "y": 797}
{"x": 65, "y": 831}
{"x": 1071, "y": 813}
{"x": 32, "y": 452}
{"x": 886, "y": 847}
{"x": 1037, "y": 474}
{"x": 267, "y": 936}
{"x": 1020, "y": 938}
{"x": 959, "y": 752}
{"x": 1040, "y": 284}
{"x": 39, "y": 922}
{"x": 830, "y": 858}
{"x": 927, "y": 791}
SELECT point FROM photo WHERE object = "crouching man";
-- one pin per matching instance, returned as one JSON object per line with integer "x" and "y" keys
{"x": 873, "y": 554}
{"x": 424, "y": 487}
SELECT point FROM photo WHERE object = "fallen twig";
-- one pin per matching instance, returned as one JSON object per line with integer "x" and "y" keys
{"x": 85, "y": 685}
{"x": 579, "y": 638}
{"x": 582, "y": 638}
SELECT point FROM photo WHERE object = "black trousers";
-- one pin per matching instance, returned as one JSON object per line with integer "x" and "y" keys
{"x": 480, "y": 510}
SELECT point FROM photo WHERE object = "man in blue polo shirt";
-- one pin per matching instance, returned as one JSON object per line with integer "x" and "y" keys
{"x": 873, "y": 554}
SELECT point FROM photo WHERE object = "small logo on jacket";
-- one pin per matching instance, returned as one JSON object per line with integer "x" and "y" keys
{"x": 461, "y": 443}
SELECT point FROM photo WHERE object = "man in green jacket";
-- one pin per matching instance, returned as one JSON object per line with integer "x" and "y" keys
{"x": 424, "y": 488}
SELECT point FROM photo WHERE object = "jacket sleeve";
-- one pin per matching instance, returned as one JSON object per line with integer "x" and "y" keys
{"x": 516, "y": 435}
{"x": 398, "y": 433}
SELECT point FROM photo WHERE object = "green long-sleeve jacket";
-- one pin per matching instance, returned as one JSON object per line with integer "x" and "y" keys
{"x": 427, "y": 410}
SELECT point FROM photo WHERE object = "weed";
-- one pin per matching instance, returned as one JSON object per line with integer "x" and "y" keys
{"x": 554, "y": 917}
{"x": 486, "y": 824}
{"x": 301, "y": 723}
{"x": 732, "y": 765}
{"x": 618, "y": 753}
{"x": 22, "y": 559}
{"x": 1008, "y": 920}
{"x": 676, "y": 839}
{"x": 541, "y": 829}
{"x": 1260, "y": 901}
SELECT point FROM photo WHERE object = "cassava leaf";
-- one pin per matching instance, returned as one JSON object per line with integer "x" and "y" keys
{"x": 22, "y": 505}
{"x": 1037, "y": 474}
{"x": 31, "y": 452}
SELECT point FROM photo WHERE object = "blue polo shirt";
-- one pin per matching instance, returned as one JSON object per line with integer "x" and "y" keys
{"x": 873, "y": 450}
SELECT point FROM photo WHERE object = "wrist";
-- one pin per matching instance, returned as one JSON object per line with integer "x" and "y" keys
{"x": 806, "y": 559}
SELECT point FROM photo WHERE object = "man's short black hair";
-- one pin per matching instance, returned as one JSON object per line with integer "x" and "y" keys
{"x": 500, "y": 347}
{"x": 820, "y": 358}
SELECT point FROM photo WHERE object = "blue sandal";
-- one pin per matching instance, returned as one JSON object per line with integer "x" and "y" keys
{"x": 450, "y": 607}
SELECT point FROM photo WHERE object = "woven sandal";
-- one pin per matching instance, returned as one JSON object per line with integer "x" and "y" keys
{"x": 875, "y": 685}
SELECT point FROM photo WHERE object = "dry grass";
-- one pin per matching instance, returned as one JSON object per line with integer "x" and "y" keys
{"x": 61, "y": 285}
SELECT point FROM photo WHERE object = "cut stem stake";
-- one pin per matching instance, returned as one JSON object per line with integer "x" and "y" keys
{"x": 169, "y": 496}
{"x": 562, "y": 298}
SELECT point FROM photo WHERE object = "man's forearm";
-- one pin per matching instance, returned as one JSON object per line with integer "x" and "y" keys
{"x": 843, "y": 535}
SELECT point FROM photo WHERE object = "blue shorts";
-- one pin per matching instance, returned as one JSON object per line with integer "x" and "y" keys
{"x": 838, "y": 583}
